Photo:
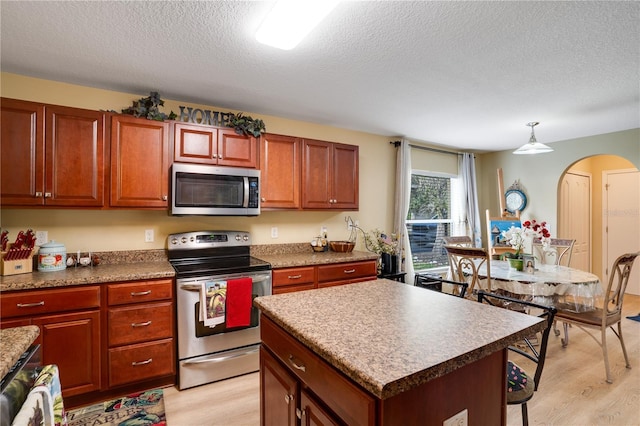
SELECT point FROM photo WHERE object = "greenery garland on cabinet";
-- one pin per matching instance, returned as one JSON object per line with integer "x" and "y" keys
{"x": 149, "y": 108}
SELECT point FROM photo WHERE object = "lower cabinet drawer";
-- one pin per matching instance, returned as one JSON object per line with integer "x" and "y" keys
{"x": 37, "y": 302}
{"x": 350, "y": 402}
{"x": 133, "y": 324}
{"x": 347, "y": 271}
{"x": 142, "y": 361}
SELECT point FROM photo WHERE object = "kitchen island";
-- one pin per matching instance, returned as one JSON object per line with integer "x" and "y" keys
{"x": 385, "y": 353}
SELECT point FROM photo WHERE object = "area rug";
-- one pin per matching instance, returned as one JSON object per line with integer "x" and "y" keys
{"x": 635, "y": 318}
{"x": 142, "y": 408}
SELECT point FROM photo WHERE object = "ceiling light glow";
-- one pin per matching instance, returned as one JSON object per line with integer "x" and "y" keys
{"x": 533, "y": 146}
{"x": 291, "y": 20}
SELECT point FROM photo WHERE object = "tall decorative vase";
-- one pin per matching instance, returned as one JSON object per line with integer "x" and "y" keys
{"x": 516, "y": 264}
{"x": 389, "y": 263}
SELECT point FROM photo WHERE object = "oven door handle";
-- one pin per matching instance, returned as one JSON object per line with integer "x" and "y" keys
{"x": 218, "y": 358}
{"x": 189, "y": 286}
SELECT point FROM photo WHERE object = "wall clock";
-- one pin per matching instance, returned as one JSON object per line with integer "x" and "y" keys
{"x": 515, "y": 200}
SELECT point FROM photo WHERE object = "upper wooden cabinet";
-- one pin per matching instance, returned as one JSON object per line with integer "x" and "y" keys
{"x": 51, "y": 155}
{"x": 329, "y": 175}
{"x": 140, "y": 161}
{"x": 280, "y": 171}
{"x": 195, "y": 143}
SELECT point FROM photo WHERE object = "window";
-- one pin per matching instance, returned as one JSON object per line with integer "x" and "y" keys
{"x": 434, "y": 212}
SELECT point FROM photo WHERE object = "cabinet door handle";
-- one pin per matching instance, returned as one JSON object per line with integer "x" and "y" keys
{"x": 299, "y": 413}
{"x": 38, "y": 194}
{"x": 30, "y": 305}
{"x": 297, "y": 366}
{"x": 349, "y": 271}
{"x": 140, "y": 293}
{"x": 140, "y": 324}
{"x": 288, "y": 398}
{"x": 220, "y": 156}
{"x": 263, "y": 199}
{"x": 47, "y": 195}
{"x": 294, "y": 277}
{"x": 165, "y": 198}
{"x": 136, "y": 363}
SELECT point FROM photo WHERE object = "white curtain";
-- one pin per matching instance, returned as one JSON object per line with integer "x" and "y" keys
{"x": 468, "y": 173}
{"x": 401, "y": 206}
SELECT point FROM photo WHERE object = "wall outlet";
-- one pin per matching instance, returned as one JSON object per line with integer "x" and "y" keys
{"x": 460, "y": 419}
{"x": 323, "y": 230}
{"x": 274, "y": 232}
{"x": 42, "y": 237}
{"x": 148, "y": 236}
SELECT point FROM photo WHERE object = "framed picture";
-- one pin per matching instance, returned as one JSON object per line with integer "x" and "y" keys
{"x": 528, "y": 263}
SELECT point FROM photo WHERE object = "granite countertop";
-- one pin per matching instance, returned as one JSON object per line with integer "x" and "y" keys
{"x": 114, "y": 267}
{"x": 13, "y": 343}
{"x": 390, "y": 337}
{"x": 302, "y": 255}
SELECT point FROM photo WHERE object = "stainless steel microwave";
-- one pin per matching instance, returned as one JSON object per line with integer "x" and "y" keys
{"x": 214, "y": 191}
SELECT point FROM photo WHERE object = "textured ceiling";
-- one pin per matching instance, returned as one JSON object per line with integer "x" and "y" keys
{"x": 468, "y": 75}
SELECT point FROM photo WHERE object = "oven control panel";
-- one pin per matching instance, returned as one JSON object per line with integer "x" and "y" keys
{"x": 208, "y": 239}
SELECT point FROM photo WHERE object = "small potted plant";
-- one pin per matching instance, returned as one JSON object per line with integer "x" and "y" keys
{"x": 516, "y": 237}
{"x": 149, "y": 108}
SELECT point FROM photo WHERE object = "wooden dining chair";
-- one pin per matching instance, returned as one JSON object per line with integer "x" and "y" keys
{"x": 520, "y": 384}
{"x": 465, "y": 262}
{"x": 559, "y": 252}
{"x": 606, "y": 316}
{"x": 458, "y": 240}
{"x": 437, "y": 283}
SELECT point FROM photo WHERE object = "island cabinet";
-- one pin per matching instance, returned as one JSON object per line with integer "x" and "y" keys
{"x": 329, "y": 175}
{"x": 280, "y": 171}
{"x": 140, "y": 161}
{"x": 69, "y": 321}
{"x": 296, "y": 383}
{"x": 287, "y": 280}
{"x": 385, "y": 353}
{"x": 140, "y": 330}
{"x": 201, "y": 144}
{"x": 51, "y": 155}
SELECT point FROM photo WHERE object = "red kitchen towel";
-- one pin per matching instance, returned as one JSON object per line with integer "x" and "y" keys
{"x": 238, "y": 303}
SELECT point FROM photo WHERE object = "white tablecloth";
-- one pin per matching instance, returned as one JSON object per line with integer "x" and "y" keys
{"x": 560, "y": 286}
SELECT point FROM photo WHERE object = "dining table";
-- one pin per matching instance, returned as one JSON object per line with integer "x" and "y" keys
{"x": 563, "y": 287}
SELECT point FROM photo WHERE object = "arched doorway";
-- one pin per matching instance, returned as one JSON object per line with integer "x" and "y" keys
{"x": 607, "y": 213}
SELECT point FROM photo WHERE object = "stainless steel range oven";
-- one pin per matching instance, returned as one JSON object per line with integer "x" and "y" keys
{"x": 218, "y": 326}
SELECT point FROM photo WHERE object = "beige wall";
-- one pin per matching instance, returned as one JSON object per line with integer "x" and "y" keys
{"x": 120, "y": 230}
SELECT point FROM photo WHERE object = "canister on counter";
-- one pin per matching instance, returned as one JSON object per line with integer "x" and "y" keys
{"x": 52, "y": 257}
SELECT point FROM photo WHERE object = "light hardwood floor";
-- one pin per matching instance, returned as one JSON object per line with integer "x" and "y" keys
{"x": 573, "y": 390}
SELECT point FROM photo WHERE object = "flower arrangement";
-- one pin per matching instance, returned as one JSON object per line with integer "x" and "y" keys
{"x": 378, "y": 242}
{"x": 516, "y": 236}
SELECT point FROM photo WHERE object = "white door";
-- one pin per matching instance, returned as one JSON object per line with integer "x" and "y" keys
{"x": 575, "y": 217}
{"x": 621, "y": 217}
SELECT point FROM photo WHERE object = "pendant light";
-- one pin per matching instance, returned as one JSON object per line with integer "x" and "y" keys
{"x": 533, "y": 146}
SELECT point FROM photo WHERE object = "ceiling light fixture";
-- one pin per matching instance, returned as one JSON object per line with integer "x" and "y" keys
{"x": 291, "y": 20}
{"x": 533, "y": 146}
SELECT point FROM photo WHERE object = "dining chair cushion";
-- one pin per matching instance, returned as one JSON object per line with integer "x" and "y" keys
{"x": 520, "y": 386}
{"x": 590, "y": 317}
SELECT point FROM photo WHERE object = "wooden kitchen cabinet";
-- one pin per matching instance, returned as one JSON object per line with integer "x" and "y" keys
{"x": 69, "y": 321}
{"x": 346, "y": 273}
{"x": 140, "y": 331}
{"x": 286, "y": 280}
{"x": 195, "y": 143}
{"x": 291, "y": 374}
{"x": 51, "y": 155}
{"x": 140, "y": 161}
{"x": 280, "y": 171}
{"x": 329, "y": 175}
